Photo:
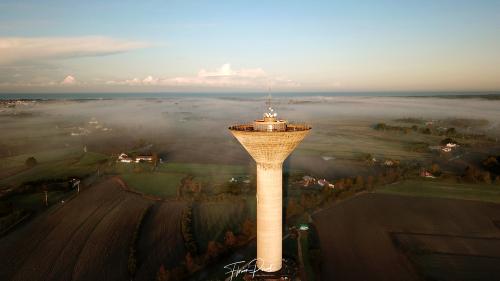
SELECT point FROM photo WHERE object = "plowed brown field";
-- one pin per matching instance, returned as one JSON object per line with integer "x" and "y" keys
{"x": 357, "y": 237}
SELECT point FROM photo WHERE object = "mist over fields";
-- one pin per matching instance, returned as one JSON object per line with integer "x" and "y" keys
{"x": 195, "y": 129}
{"x": 205, "y": 181}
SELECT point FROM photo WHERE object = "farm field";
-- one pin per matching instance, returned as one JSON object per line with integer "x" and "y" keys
{"x": 108, "y": 232}
{"x": 213, "y": 219}
{"x": 163, "y": 185}
{"x": 70, "y": 241}
{"x": 449, "y": 257}
{"x": 357, "y": 244}
{"x": 61, "y": 166}
{"x": 160, "y": 240}
{"x": 206, "y": 173}
{"x": 443, "y": 189}
{"x": 164, "y": 180}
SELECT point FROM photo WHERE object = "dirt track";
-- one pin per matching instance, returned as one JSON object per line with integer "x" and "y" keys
{"x": 355, "y": 234}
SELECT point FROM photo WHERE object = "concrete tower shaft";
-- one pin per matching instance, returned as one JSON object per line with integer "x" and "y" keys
{"x": 269, "y": 149}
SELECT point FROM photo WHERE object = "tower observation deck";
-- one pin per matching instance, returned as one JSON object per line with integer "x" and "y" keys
{"x": 269, "y": 141}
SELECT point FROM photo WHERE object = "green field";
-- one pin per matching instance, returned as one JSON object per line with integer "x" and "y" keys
{"x": 164, "y": 180}
{"x": 157, "y": 184}
{"x": 436, "y": 188}
{"x": 212, "y": 173}
{"x": 41, "y": 157}
{"x": 354, "y": 138}
{"x": 62, "y": 166}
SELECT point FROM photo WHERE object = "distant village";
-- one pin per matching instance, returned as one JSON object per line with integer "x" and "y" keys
{"x": 93, "y": 124}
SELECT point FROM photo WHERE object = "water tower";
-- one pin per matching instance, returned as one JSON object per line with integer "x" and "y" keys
{"x": 269, "y": 141}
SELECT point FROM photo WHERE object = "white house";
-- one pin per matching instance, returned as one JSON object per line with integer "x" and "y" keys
{"x": 388, "y": 163}
{"x": 145, "y": 158}
{"x": 124, "y": 158}
{"x": 446, "y": 149}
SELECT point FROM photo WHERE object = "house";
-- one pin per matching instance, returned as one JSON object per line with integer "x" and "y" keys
{"x": 426, "y": 174}
{"x": 322, "y": 182}
{"x": 307, "y": 180}
{"x": 232, "y": 180}
{"x": 304, "y": 227}
{"x": 144, "y": 158}
{"x": 451, "y": 145}
{"x": 446, "y": 149}
{"x": 389, "y": 163}
{"x": 124, "y": 158}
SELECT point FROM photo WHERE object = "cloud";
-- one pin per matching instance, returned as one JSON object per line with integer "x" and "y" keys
{"x": 69, "y": 80}
{"x": 16, "y": 49}
{"x": 222, "y": 77}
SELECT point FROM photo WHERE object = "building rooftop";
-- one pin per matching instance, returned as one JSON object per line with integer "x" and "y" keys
{"x": 270, "y": 123}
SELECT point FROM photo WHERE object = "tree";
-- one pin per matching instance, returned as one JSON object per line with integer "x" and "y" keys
{"x": 451, "y": 132}
{"x": 470, "y": 174}
{"x": 435, "y": 169}
{"x": 348, "y": 183}
{"x": 229, "y": 239}
{"x": 340, "y": 184}
{"x": 492, "y": 164}
{"x": 162, "y": 275}
{"x": 31, "y": 162}
{"x": 447, "y": 141}
{"x": 248, "y": 228}
{"x": 426, "y": 131}
{"x": 367, "y": 157}
{"x": 359, "y": 182}
{"x": 485, "y": 177}
{"x": 155, "y": 159}
{"x": 213, "y": 251}
{"x": 380, "y": 126}
{"x": 190, "y": 263}
{"x": 370, "y": 182}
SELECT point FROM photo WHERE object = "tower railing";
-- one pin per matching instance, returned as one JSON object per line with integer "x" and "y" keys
{"x": 289, "y": 127}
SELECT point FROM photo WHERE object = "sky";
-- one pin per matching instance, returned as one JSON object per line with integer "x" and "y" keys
{"x": 249, "y": 46}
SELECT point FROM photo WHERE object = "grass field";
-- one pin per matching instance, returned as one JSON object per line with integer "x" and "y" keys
{"x": 354, "y": 138}
{"x": 436, "y": 188}
{"x": 157, "y": 184}
{"x": 66, "y": 165}
{"x": 41, "y": 157}
{"x": 213, "y": 173}
{"x": 166, "y": 178}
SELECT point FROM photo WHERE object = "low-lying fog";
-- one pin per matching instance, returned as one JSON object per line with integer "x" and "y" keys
{"x": 195, "y": 129}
